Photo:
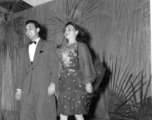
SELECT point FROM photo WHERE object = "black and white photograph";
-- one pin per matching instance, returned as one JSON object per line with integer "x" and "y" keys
{"x": 75, "y": 59}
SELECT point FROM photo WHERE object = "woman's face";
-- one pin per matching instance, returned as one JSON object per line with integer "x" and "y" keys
{"x": 70, "y": 32}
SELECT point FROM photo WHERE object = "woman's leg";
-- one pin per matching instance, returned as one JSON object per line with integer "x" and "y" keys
{"x": 79, "y": 117}
{"x": 63, "y": 117}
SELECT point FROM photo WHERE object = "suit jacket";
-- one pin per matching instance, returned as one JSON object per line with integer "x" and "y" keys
{"x": 43, "y": 71}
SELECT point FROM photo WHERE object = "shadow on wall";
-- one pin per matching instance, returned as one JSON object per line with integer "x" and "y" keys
{"x": 43, "y": 32}
{"x": 100, "y": 86}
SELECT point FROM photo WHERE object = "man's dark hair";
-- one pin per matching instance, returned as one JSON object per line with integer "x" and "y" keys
{"x": 37, "y": 25}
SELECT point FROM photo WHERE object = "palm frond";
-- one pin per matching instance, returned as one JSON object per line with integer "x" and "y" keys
{"x": 128, "y": 93}
{"x": 55, "y": 19}
{"x": 11, "y": 31}
{"x": 54, "y": 33}
{"x": 76, "y": 11}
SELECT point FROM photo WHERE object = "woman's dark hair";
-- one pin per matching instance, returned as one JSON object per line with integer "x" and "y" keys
{"x": 83, "y": 35}
{"x": 37, "y": 25}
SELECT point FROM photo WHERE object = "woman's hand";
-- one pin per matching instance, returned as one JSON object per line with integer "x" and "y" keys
{"x": 89, "y": 88}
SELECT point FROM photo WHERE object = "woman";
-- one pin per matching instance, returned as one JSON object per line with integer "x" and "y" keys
{"x": 76, "y": 74}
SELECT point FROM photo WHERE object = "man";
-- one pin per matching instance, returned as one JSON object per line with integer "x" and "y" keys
{"x": 38, "y": 76}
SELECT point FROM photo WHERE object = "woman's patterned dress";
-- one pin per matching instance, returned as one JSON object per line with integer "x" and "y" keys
{"x": 72, "y": 98}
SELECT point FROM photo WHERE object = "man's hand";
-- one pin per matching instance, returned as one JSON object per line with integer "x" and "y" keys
{"x": 89, "y": 88}
{"x": 18, "y": 94}
{"x": 51, "y": 89}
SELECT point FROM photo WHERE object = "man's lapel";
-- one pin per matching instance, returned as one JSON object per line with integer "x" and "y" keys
{"x": 27, "y": 57}
{"x": 37, "y": 52}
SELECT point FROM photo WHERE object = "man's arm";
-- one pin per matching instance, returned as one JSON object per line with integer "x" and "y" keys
{"x": 54, "y": 67}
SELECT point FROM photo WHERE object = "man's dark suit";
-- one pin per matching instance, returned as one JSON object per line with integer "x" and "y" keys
{"x": 34, "y": 79}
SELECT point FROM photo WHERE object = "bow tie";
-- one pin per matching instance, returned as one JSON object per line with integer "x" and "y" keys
{"x": 31, "y": 42}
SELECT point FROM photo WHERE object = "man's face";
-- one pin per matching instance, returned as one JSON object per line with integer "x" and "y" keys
{"x": 32, "y": 31}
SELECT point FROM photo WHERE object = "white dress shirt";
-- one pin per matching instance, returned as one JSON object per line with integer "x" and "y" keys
{"x": 32, "y": 48}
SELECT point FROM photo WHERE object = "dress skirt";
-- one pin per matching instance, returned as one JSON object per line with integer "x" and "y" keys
{"x": 72, "y": 98}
